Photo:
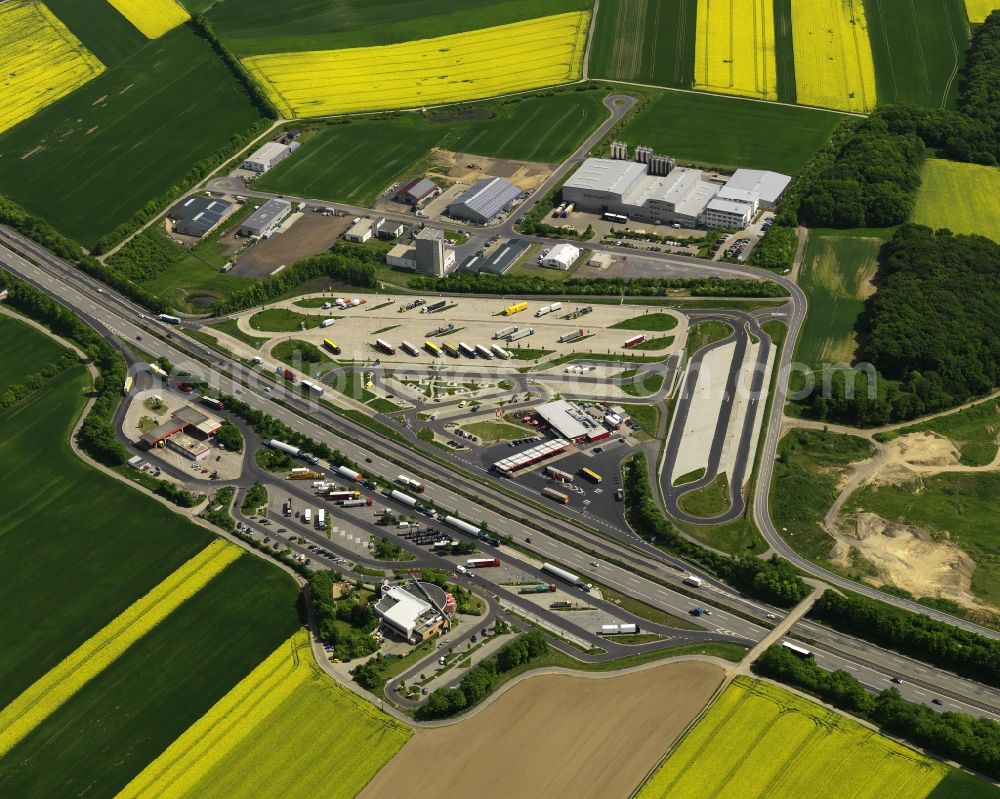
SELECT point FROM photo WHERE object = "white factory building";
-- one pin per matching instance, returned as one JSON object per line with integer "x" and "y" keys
{"x": 653, "y": 189}
{"x": 411, "y": 616}
{"x": 561, "y": 256}
{"x": 268, "y": 155}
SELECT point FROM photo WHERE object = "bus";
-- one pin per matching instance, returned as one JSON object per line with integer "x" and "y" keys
{"x": 634, "y": 341}
{"x": 331, "y": 346}
{"x": 312, "y": 388}
{"x": 211, "y": 402}
{"x": 385, "y": 346}
{"x": 128, "y": 385}
{"x": 607, "y": 216}
{"x": 555, "y": 496}
{"x": 451, "y": 349}
{"x": 170, "y": 320}
{"x": 591, "y": 475}
{"x": 432, "y": 348}
{"x": 409, "y": 349}
{"x": 798, "y": 651}
{"x": 156, "y": 370}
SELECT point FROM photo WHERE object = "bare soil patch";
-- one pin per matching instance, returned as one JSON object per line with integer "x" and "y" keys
{"x": 467, "y": 169}
{"x": 555, "y": 735}
{"x": 311, "y": 234}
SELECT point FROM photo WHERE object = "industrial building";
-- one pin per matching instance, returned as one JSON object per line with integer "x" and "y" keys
{"x": 197, "y": 215}
{"x": 387, "y": 229}
{"x": 568, "y": 420}
{"x": 547, "y": 449}
{"x": 186, "y": 432}
{"x": 561, "y": 256}
{"x": 483, "y": 201}
{"x": 415, "y": 613}
{"x": 360, "y": 231}
{"x": 266, "y": 219}
{"x": 769, "y": 187}
{"x": 427, "y": 255}
{"x": 418, "y": 192}
{"x": 268, "y": 155}
{"x": 652, "y": 188}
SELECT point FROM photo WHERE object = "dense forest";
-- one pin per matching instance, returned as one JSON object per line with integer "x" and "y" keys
{"x": 933, "y": 330}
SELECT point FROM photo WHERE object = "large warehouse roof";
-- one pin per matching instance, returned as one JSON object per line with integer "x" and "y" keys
{"x": 769, "y": 186}
{"x": 268, "y": 152}
{"x": 485, "y": 198}
{"x": 264, "y": 217}
{"x": 604, "y": 174}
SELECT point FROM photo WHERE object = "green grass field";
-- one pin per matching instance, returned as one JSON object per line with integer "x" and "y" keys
{"x": 965, "y": 198}
{"x": 96, "y": 23}
{"x": 708, "y": 502}
{"x": 74, "y": 557}
{"x": 355, "y": 161}
{"x": 836, "y": 274}
{"x": 645, "y": 41}
{"x": 257, "y": 26}
{"x": 709, "y": 129}
{"x": 124, "y": 718}
{"x": 918, "y": 49}
{"x": 23, "y": 351}
{"x": 758, "y": 740}
{"x": 282, "y": 320}
{"x": 974, "y": 431}
{"x": 89, "y": 161}
{"x": 963, "y": 505}
{"x": 647, "y": 321}
{"x": 489, "y": 432}
{"x": 805, "y": 485}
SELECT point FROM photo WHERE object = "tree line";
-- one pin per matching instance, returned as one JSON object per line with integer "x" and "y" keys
{"x": 482, "y": 678}
{"x": 347, "y": 263}
{"x": 773, "y": 580}
{"x": 933, "y": 331}
{"x": 966, "y": 653}
{"x": 31, "y": 383}
{"x": 332, "y": 614}
{"x": 974, "y": 742}
{"x": 486, "y": 283}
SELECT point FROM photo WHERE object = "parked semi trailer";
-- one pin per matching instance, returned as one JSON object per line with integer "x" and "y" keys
{"x": 340, "y": 496}
{"x": 501, "y": 334}
{"x": 291, "y": 449}
{"x": 500, "y": 352}
{"x": 483, "y": 352}
{"x": 482, "y": 563}
{"x": 555, "y": 496}
{"x": 558, "y": 474}
{"x": 565, "y": 338}
{"x": 350, "y": 474}
{"x": 403, "y": 499}
{"x": 517, "y": 307}
{"x": 569, "y": 577}
{"x": 409, "y": 349}
{"x": 466, "y": 350}
{"x": 355, "y": 503}
{"x": 619, "y": 629}
{"x": 530, "y": 331}
{"x": 434, "y": 306}
{"x": 540, "y": 588}
{"x": 385, "y": 346}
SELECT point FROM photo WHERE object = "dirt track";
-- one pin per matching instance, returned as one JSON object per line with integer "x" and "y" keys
{"x": 555, "y": 735}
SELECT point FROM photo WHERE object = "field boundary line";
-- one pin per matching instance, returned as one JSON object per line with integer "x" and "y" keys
{"x": 54, "y": 688}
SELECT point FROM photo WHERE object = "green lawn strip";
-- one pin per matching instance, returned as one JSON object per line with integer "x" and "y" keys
{"x": 119, "y": 722}
{"x": 646, "y": 416}
{"x": 255, "y": 497}
{"x": 23, "y": 351}
{"x": 704, "y": 333}
{"x": 962, "y": 505}
{"x": 490, "y": 432}
{"x": 659, "y": 322}
{"x": 312, "y": 302}
{"x": 282, "y": 320}
{"x": 230, "y": 327}
{"x": 690, "y": 477}
{"x": 78, "y": 546}
{"x": 710, "y": 501}
{"x": 657, "y": 343}
{"x": 380, "y": 405}
{"x": 175, "y": 89}
{"x": 804, "y": 487}
{"x": 973, "y": 430}
{"x": 593, "y": 356}
{"x": 650, "y": 384}
{"x": 837, "y": 269}
{"x": 738, "y": 537}
{"x": 784, "y": 55}
{"x": 643, "y": 611}
{"x": 686, "y": 125}
{"x": 303, "y": 356}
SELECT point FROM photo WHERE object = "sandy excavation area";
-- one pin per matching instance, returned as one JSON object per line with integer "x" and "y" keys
{"x": 555, "y": 735}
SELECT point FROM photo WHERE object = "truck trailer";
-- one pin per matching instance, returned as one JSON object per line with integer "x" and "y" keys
{"x": 558, "y": 474}
{"x": 307, "y": 515}
{"x": 350, "y": 474}
{"x": 540, "y": 588}
{"x": 502, "y": 334}
{"x": 483, "y": 352}
{"x": 385, "y": 346}
{"x": 517, "y": 307}
{"x": 409, "y": 349}
{"x": 565, "y": 338}
{"x": 555, "y": 496}
{"x": 410, "y": 483}
{"x": 466, "y": 350}
{"x": 321, "y": 519}
{"x": 403, "y": 499}
{"x": 530, "y": 331}
{"x": 340, "y": 496}
{"x": 569, "y": 577}
{"x": 500, "y": 352}
{"x": 482, "y": 563}
{"x": 360, "y": 502}
{"x": 692, "y": 580}
{"x": 434, "y": 306}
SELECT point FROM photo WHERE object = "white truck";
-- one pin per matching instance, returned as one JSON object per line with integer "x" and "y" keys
{"x": 692, "y": 580}
{"x": 307, "y": 515}
{"x": 327, "y": 323}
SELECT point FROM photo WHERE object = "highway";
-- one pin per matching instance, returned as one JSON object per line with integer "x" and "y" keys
{"x": 115, "y": 316}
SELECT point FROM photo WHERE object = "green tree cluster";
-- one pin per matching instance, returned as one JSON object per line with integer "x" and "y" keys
{"x": 486, "y": 283}
{"x": 230, "y": 437}
{"x": 773, "y": 580}
{"x": 479, "y": 682}
{"x": 974, "y": 742}
{"x": 776, "y": 250}
{"x": 333, "y": 614}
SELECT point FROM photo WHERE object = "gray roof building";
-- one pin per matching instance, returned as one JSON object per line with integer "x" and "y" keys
{"x": 769, "y": 186}
{"x": 417, "y": 191}
{"x": 196, "y": 215}
{"x": 484, "y": 200}
{"x": 266, "y": 218}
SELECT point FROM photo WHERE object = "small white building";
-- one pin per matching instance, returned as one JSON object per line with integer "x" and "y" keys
{"x": 727, "y": 213}
{"x": 360, "y": 231}
{"x": 267, "y": 156}
{"x": 561, "y": 256}
{"x": 408, "y": 615}
{"x": 769, "y": 187}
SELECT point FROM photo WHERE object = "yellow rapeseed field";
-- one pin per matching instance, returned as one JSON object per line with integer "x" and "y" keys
{"x": 734, "y": 48}
{"x": 833, "y": 57}
{"x": 463, "y": 66}
{"x": 788, "y": 747}
{"x": 153, "y": 18}
{"x": 48, "y": 693}
{"x": 40, "y": 61}
{"x": 979, "y": 10}
{"x": 285, "y": 724}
